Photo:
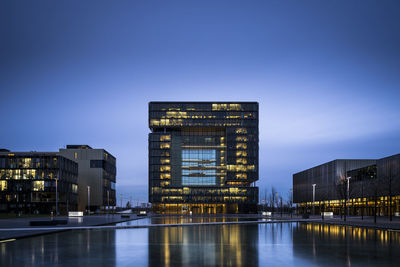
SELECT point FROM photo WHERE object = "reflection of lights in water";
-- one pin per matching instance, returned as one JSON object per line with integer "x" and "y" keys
{"x": 3, "y": 250}
{"x": 75, "y": 219}
{"x": 352, "y": 233}
{"x": 166, "y": 248}
{"x": 206, "y": 246}
{"x": 88, "y": 241}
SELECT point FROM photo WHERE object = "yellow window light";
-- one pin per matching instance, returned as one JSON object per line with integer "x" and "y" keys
{"x": 165, "y": 138}
{"x": 165, "y": 145}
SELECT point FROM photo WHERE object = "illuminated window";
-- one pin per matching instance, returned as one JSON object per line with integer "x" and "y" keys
{"x": 226, "y": 107}
{"x": 237, "y": 168}
{"x": 165, "y": 176}
{"x": 76, "y": 155}
{"x": 154, "y": 122}
{"x": 165, "y": 161}
{"x": 241, "y": 131}
{"x": 165, "y": 145}
{"x": 3, "y": 185}
{"x": 31, "y": 174}
{"x": 38, "y": 185}
{"x": 164, "y": 183}
{"x": 241, "y": 154}
{"x": 241, "y": 146}
{"x": 241, "y": 138}
{"x": 165, "y": 168}
{"x": 17, "y": 174}
{"x": 199, "y": 167}
{"x": 26, "y": 162}
{"x": 165, "y": 138}
{"x": 177, "y": 114}
{"x": 251, "y": 167}
{"x": 235, "y": 183}
{"x": 74, "y": 188}
{"x": 241, "y": 176}
{"x": 241, "y": 161}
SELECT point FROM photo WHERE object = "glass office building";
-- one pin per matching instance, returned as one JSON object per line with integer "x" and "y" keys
{"x": 203, "y": 157}
{"x": 30, "y": 182}
{"x": 359, "y": 187}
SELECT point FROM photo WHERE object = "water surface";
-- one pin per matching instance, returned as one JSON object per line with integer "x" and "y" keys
{"x": 277, "y": 244}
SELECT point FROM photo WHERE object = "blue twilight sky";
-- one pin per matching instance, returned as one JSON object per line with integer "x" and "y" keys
{"x": 326, "y": 75}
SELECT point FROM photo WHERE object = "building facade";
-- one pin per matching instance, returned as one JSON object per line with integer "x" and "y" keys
{"x": 96, "y": 177}
{"x": 30, "y": 182}
{"x": 203, "y": 157}
{"x": 362, "y": 187}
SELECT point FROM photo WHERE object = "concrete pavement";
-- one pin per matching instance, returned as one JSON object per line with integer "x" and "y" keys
{"x": 93, "y": 220}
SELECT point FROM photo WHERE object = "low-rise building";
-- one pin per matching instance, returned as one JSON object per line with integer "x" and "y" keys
{"x": 354, "y": 186}
{"x": 77, "y": 178}
{"x": 96, "y": 176}
{"x": 33, "y": 182}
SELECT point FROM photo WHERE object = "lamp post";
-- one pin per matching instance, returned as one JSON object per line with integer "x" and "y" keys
{"x": 56, "y": 196}
{"x": 313, "y": 197}
{"x": 348, "y": 194}
{"x": 108, "y": 201}
{"x": 88, "y": 196}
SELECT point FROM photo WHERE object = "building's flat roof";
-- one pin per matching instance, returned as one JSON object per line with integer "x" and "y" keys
{"x": 79, "y": 147}
{"x": 203, "y": 102}
{"x": 20, "y": 153}
{"x": 331, "y": 162}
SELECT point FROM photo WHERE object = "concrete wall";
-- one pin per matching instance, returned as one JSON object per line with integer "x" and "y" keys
{"x": 87, "y": 176}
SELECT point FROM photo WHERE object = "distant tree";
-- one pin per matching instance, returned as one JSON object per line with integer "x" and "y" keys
{"x": 128, "y": 205}
{"x": 265, "y": 200}
{"x": 362, "y": 200}
{"x": 373, "y": 189}
{"x": 341, "y": 189}
{"x": 290, "y": 202}
{"x": 273, "y": 198}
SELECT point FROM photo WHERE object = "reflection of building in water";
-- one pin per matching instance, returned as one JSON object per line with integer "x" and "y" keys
{"x": 233, "y": 245}
{"x": 94, "y": 247}
{"x": 203, "y": 157}
{"x": 321, "y": 242}
{"x": 368, "y": 184}
{"x": 190, "y": 219}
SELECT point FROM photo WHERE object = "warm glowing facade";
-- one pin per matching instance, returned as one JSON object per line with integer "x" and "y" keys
{"x": 76, "y": 175}
{"x": 373, "y": 186}
{"x": 30, "y": 182}
{"x": 203, "y": 157}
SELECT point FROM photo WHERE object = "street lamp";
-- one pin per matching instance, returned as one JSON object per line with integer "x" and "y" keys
{"x": 313, "y": 197}
{"x": 348, "y": 194}
{"x": 108, "y": 201}
{"x": 56, "y": 196}
{"x": 88, "y": 196}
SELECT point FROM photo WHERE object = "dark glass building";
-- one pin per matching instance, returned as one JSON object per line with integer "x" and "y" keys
{"x": 360, "y": 186}
{"x": 203, "y": 157}
{"x": 30, "y": 182}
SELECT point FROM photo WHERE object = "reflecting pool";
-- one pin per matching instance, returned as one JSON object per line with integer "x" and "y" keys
{"x": 188, "y": 219}
{"x": 277, "y": 244}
